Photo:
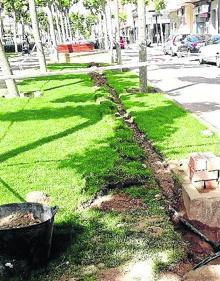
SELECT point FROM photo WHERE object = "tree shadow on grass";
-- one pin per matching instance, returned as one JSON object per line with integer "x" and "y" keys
{"x": 93, "y": 239}
{"x": 62, "y": 86}
{"x": 17, "y": 151}
{"x": 162, "y": 121}
{"x": 160, "y": 124}
{"x": 75, "y": 98}
{"x": 13, "y": 191}
{"x": 62, "y": 77}
{"x": 157, "y": 121}
{"x": 63, "y": 235}
{"x": 108, "y": 161}
{"x": 122, "y": 80}
{"x": 89, "y": 111}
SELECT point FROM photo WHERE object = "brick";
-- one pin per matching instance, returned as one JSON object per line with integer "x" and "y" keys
{"x": 191, "y": 172}
{"x": 204, "y": 176}
{"x": 211, "y": 184}
{"x": 213, "y": 164}
{"x": 199, "y": 185}
{"x": 208, "y": 155}
{"x": 198, "y": 162}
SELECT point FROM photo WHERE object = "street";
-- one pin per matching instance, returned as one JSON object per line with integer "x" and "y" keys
{"x": 196, "y": 87}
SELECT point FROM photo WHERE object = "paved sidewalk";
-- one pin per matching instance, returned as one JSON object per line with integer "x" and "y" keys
{"x": 196, "y": 87}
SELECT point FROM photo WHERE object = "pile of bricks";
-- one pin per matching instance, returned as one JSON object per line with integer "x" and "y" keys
{"x": 204, "y": 170}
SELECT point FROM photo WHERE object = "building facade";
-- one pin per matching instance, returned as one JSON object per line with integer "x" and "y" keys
{"x": 195, "y": 16}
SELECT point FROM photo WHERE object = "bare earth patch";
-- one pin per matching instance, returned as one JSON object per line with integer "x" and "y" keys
{"x": 119, "y": 203}
{"x": 111, "y": 274}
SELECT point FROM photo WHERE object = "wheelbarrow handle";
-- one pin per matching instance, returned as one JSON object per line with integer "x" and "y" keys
{"x": 54, "y": 210}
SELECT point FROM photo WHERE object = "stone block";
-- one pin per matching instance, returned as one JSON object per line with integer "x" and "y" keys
{"x": 199, "y": 185}
{"x": 197, "y": 162}
{"x": 213, "y": 164}
{"x": 204, "y": 176}
{"x": 202, "y": 207}
{"x": 212, "y": 184}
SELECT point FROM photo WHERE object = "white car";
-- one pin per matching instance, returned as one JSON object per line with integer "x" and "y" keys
{"x": 211, "y": 52}
{"x": 173, "y": 44}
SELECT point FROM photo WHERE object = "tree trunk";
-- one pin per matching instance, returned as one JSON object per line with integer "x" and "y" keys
{"x": 1, "y": 28}
{"x": 62, "y": 27}
{"x": 52, "y": 33}
{"x": 161, "y": 33}
{"x": 66, "y": 27}
{"x": 54, "y": 11}
{"x": 69, "y": 28}
{"x": 36, "y": 33}
{"x": 142, "y": 44}
{"x": 11, "y": 85}
{"x": 157, "y": 31}
{"x": 218, "y": 16}
{"x": 1, "y": 23}
{"x": 22, "y": 28}
{"x": 109, "y": 17}
{"x": 15, "y": 32}
{"x": 106, "y": 33}
{"x": 101, "y": 37}
{"x": 117, "y": 33}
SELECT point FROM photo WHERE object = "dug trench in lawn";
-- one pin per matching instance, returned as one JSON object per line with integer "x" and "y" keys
{"x": 198, "y": 249}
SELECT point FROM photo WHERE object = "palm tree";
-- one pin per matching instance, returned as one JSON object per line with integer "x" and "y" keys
{"x": 10, "y": 83}
{"x": 37, "y": 37}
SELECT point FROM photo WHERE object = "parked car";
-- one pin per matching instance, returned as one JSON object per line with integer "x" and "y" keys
{"x": 192, "y": 44}
{"x": 211, "y": 52}
{"x": 173, "y": 44}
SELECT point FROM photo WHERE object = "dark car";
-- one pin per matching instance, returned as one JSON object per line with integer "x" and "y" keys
{"x": 192, "y": 44}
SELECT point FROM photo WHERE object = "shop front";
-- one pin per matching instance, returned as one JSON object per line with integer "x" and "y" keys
{"x": 201, "y": 13}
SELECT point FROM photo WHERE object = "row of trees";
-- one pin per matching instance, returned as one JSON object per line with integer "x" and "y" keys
{"x": 56, "y": 21}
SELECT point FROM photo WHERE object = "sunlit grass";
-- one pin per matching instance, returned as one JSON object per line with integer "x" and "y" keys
{"x": 174, "y": 131}
{"x": 69, "y": 144}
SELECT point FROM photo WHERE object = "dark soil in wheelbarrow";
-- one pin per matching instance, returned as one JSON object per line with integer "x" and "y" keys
{"x": 17, "y": 220}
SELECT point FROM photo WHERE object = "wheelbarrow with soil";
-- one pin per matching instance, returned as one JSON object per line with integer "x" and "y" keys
{"x": 25, "y": 235}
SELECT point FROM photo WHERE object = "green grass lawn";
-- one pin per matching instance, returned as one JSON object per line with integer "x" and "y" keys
{"x": 68, "y": 143}
{"x": 173, "y": 130}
